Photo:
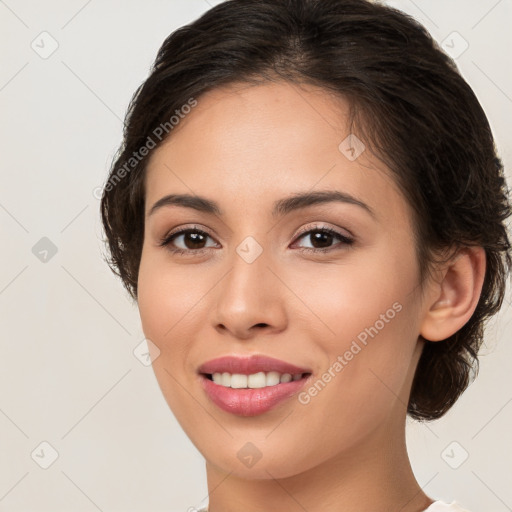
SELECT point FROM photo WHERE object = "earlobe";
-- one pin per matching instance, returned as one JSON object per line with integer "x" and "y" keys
{"x": 454, "y": 299}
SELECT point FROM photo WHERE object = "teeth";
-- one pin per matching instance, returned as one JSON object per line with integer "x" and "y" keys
{"x": 253, "y": 381}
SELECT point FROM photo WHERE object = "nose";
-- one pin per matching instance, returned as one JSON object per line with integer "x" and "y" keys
{"x": 251, "y": 300}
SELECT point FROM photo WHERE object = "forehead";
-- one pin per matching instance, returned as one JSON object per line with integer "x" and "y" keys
{"x": 247, "y": 145}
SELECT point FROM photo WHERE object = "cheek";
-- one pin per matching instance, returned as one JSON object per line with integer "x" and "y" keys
{"x": 167, "y": 299}
{"x": 359, "y": 292}
{"x": 366, "y": 377}
{"x": 154, "y": 300}
{"x": 369, "y": 317}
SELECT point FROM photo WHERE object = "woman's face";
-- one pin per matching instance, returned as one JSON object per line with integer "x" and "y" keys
{"x": 257, "y": 282}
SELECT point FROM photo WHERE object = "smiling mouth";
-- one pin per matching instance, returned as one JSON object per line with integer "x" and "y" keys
{"x": 253, "y": 381}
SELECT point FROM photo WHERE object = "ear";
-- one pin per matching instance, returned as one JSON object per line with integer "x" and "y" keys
{"x": 452, "y": 301}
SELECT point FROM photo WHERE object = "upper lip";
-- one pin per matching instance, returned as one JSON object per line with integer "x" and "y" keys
{"x": 249, "y": 365}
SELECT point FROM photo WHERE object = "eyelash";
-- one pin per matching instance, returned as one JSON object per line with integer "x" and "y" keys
{"x": 165, "y": 242}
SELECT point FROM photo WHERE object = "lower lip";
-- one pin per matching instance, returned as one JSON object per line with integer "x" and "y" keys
{"x": 250, "y": 402}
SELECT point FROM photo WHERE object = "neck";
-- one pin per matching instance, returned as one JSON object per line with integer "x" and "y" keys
{"x": 375, "y": 476}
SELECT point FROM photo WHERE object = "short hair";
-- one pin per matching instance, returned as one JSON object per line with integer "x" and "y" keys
{"x": 408, "y": 103}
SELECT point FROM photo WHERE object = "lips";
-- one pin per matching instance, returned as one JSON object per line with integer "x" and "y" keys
{"x": 252, "y": 402}
{"x": 249, "y": 365}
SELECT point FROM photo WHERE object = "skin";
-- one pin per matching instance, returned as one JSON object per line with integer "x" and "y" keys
{"x": 246, "y": 147}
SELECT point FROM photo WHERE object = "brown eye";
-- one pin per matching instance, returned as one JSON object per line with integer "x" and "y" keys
{"x": 322, "y": 238}
{"x": 191, "y": 240}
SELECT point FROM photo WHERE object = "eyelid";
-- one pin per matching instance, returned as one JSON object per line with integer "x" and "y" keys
{"x": 321, "y": 226}
{"x": 180, "y": 229}
{"x": 302, "y": 231}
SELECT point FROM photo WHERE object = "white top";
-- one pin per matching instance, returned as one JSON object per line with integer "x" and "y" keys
{"x": 437, "y": 506}
{"x": 441, "y": 506}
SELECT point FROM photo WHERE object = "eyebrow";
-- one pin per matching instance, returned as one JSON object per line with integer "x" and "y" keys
{"x": 280, "y": 208}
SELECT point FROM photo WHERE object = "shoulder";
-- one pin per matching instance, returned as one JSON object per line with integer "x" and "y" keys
{"x": 441, "y": 506}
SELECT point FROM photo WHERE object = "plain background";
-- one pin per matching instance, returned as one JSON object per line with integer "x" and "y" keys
{"x": 68, "y": 373}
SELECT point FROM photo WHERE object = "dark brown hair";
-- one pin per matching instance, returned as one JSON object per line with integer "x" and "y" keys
{"x": 409, "y": 104}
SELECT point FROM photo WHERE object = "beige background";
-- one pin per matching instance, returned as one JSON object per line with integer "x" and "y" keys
{"x": 68, "y": 374}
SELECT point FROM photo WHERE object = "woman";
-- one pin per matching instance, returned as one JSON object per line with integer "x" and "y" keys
{"x": 309, "y": 211}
